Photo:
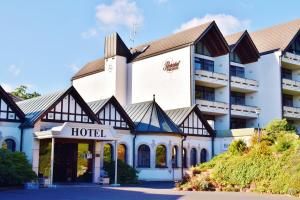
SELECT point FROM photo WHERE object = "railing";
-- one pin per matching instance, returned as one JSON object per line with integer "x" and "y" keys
{"x": 244, "y": 110}
{"x": 291, "y": 56}
{"x": 292, "y": 112}
{"x": 290, "y": 84}
{"x": 244, "y": 82}
{"x": 212, "y": 75}
{"x": 212, "y": 106}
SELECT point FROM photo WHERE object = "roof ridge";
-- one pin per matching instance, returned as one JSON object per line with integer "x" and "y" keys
{"x": 276, "y": 25}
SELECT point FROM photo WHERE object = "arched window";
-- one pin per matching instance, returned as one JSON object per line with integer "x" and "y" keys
{"x": 161, "y": 156}
{"x": 122, "y": 153}
{"x": 144, "y": 156}
{"x": 108, "y": 152}
{"x": 203, "y": 156}
{"x": 193, "y": 157}
{"x": 175, "y": 156}
{"x": 184, "y": 158}
{"x": 9, "y": 144}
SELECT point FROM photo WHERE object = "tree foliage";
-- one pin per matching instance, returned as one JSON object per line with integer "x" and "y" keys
{"x": 14, "y": 168}
{"x": 22, "y": 93}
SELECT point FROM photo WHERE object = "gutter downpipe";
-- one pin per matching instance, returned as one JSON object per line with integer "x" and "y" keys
{"x": 21, "y": 138}
{"x": 183, "y": 139}
{"x": 213, "y": 144}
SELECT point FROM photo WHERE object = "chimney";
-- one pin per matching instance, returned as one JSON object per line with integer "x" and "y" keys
{"x": 114, "y": 46}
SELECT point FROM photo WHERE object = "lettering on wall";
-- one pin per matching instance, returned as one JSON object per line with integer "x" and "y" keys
{"x": 171, "y": 65}
{"x": 88, "y": 132}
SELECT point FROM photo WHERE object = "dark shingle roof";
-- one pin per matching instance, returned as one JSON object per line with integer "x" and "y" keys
{"x": 149, "y": 117}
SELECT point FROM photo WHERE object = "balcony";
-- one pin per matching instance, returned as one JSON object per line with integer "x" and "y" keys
{"x": 212, "y": 107}
{"x": 291, "y": 61}
{"x": 290, "y": 86}
{"x": 211, "y": 79}
{"x": 243, "y": 111}
{"x": 243, "y": 84}
{"x": 291, "y": 112}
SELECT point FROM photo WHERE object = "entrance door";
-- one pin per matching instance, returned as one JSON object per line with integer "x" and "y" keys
{"x": 72, "y": 161}
{"x": 65, "y": 162}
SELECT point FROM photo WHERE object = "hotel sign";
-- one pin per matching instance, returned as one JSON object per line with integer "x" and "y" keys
{"x": 80, "y": 131}
{"x": 171, "y": 65}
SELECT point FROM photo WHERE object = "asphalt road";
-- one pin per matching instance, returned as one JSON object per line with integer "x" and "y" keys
{"x": 147, "y": 191}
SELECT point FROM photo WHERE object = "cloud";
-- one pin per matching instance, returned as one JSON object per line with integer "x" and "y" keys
{"x": 120, "y": 13}
{"x": 14, "y": 70}
{"x": 74, "y": 68}
{"x": 227, "y": 23}
{"x": 93, "y": 32}
{"x": 7, "y": 87}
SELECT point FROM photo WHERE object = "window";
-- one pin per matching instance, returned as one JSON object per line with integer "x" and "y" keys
{"x": 203, "y": 64}
{"x": 122, "y": 153}
{"x": 237, "y": 71}
{"x": 184, "y": 158}
{"x": 205, "y": 93}
{"x": 237, "y": 123}
{"x": 175, "y": 157}
{"x": 161, "y": 156}
{"x": 286, "y": 73}
{"x": 287, "y": 100}
{"x": 144, "y": 156}
{"x": 203, "y": 156}
{"x": 235, "y": 58}
{"x": 201, "y": 48}
{"x": 108, "y": 153}
{"x": 193, "y": 157}
{"x": 9, "y": 144}
{"x": 295, "y": 46}
{"x": 237, "y": 98}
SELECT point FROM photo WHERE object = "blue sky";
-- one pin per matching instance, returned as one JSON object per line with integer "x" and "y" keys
{"x": 43, "y": 43}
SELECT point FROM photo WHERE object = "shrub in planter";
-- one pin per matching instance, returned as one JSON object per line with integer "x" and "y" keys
{"x": 126, "y": 173}
{"x": 14, "y": 168}
{"x": 237, "y": 147}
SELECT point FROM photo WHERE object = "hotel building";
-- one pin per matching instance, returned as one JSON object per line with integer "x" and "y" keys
{"x": 160, "y": 107}
{"x": 237, "y": 81}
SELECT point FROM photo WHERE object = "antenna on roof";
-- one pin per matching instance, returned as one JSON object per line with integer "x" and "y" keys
{"x": 133, "y": 32}
{"x": 153, "y": 97}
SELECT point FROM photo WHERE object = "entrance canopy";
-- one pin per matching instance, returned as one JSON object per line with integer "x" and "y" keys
{"x": 72, "y": 130}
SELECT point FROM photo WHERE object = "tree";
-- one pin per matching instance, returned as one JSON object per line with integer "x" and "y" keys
{"x": 22, "y": 93}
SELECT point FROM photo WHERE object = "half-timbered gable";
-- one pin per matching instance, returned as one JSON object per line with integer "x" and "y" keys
{"x": 9, "y": 111}
{"x": 110, "y": 112}
{"x": 191, "y": 121}
{"x": 64, "y": 106}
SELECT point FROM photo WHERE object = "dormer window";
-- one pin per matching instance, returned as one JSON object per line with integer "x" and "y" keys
{"x": 234, "y": 57}
{"x": 295, "y": 46}
{"x": 200, "y": 48}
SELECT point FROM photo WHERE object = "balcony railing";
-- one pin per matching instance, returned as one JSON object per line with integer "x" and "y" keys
{"x": 291, "y": 58}
{"x": 291, "y": 112}
{"x": 244, "y": 83}
{"x": 243, "y": 110}
{"x": 212, "y": 106}
{"x": 292, "y": 85}
{"x": 213, "y": 78}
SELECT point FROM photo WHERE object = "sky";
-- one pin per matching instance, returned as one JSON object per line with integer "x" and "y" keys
{"x": 44, "y": 43}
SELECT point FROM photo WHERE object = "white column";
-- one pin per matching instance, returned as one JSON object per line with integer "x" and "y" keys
{"x": 52, "y": 161}
{"x": 35, "y": 155}
{"x": 116, "y": 163}
{"x": 97, "y": 161}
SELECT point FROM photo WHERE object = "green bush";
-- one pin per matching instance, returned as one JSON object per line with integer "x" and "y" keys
{"x": 14, "y": 168}
{"x": 277, "y": 127}
{"x": 126, "y": 173}
{"x": 237, "y": 147}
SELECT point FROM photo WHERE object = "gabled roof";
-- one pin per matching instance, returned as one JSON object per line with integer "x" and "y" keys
{"x": 242, "y": 44}
{"x": 97, "y": 106}
{"x": 8, "y": 99}
{"x": 170, "y": 43}
{"x": 276, "y": 37}
{"x": 178, "y": 40}
{"x": 179, "y": 115}
{"x": 35, "y": 108}
{"x": 90, "y": 68}
{"x": 150, "y": 118}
